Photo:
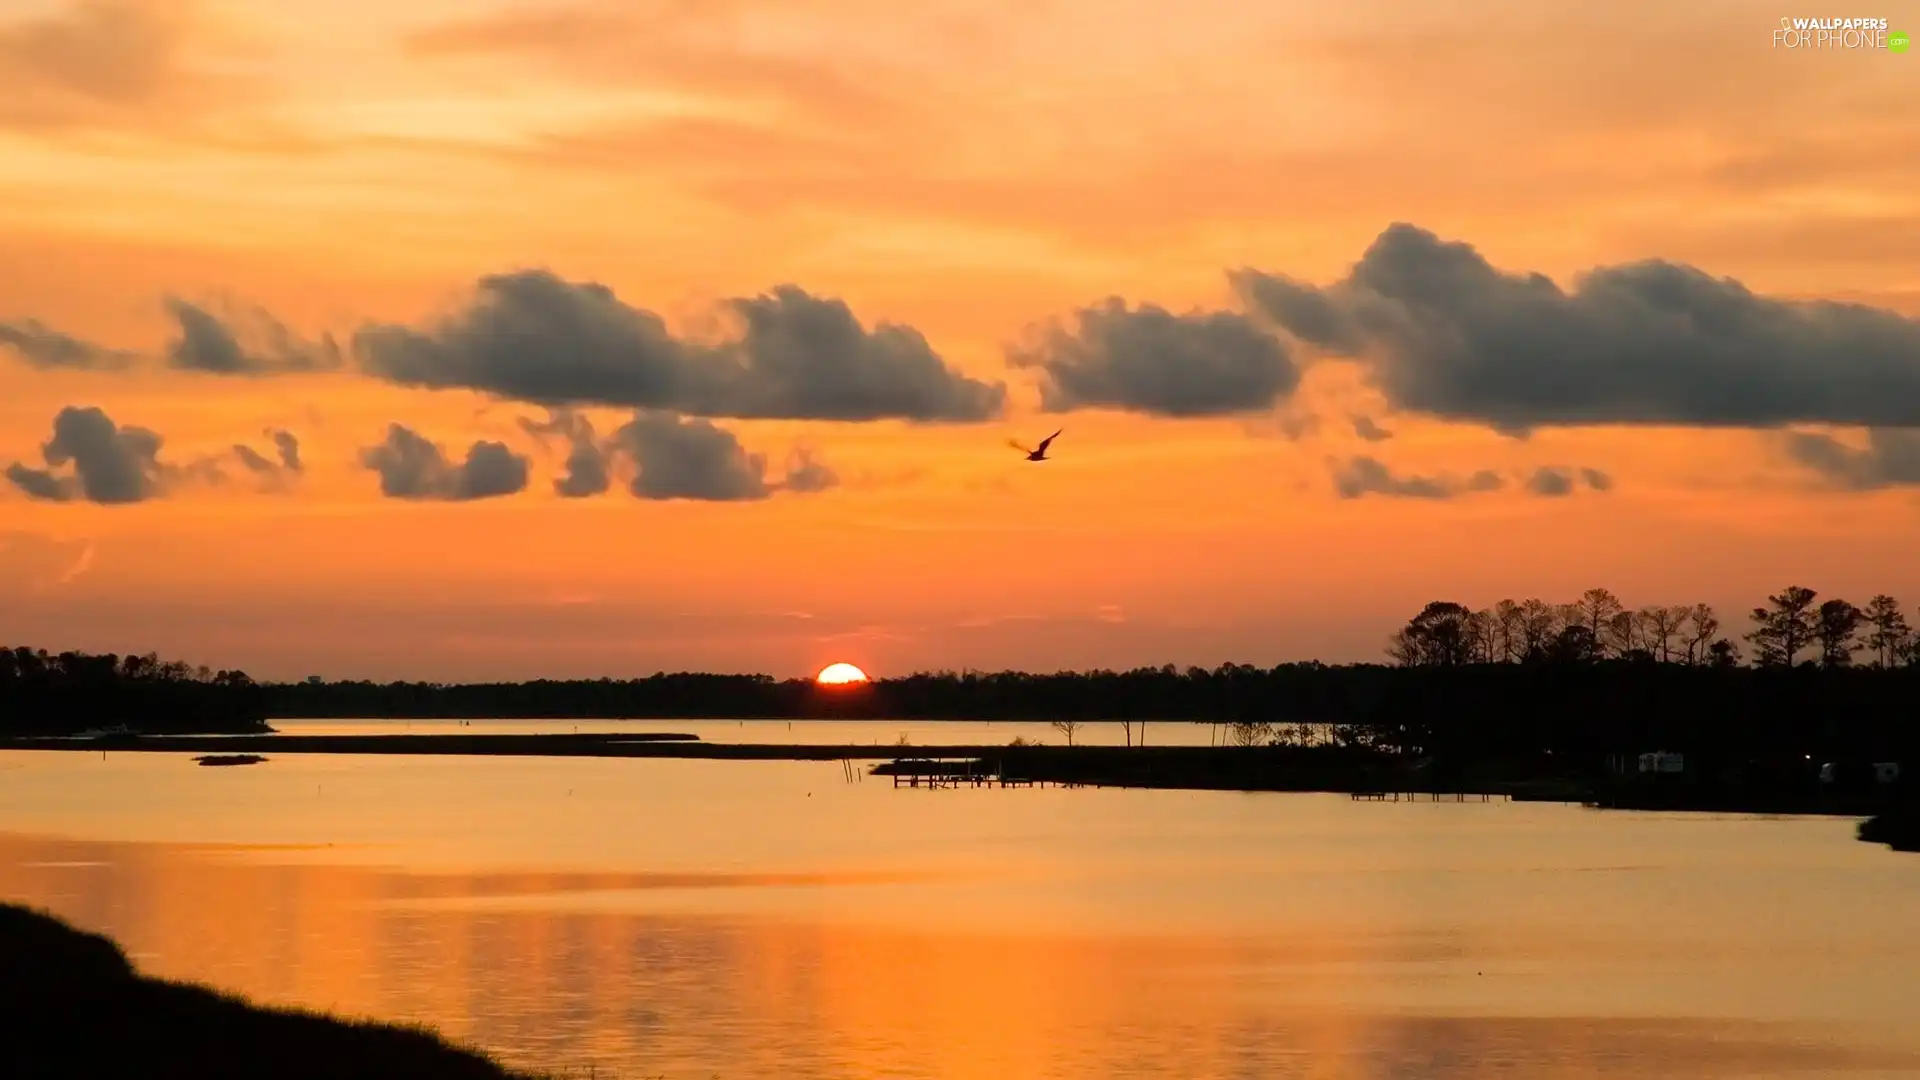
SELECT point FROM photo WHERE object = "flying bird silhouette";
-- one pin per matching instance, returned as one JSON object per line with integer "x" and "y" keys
{"x": 1038, "y": 453}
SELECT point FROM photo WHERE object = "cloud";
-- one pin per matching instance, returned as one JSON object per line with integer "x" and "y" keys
{"x": 1891, "y": 458}
{"x": 254, "y": 460}
{"x": 807, "y": 474}
{"x": 110, "y": 464}
{"x": 587, "y": 457}
{"x": 411, "y": 467}
{"x": 679, "y": 458}
{"x": 1445, "y": 333}
{"x": 44, "y": 347}
{"x": 211, "y": 344}
{"x": 533, "y": 336}
{"x": 1557, "y": 481}
{"x": 276, "y": 470}
{"x": 1363, "y": 475}
{"x": 1550, "y": 482}
{"x": 1150, "y": 360}
{"x": 113, "y": 64}
{"x": 288, "y": 448}
{"x": 1364, "y": 427}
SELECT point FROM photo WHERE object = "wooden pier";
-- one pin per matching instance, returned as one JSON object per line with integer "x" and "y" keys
{"x": 934, "y": 774}
{"x": 1429, "y": 796}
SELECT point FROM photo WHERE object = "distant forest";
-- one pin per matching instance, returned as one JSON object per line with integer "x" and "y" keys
{"x": 44, "y": 693}
{"x": 1520, "y": 679}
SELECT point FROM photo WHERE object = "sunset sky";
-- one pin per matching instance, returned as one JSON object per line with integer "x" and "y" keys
{"x": 467, "y": 340}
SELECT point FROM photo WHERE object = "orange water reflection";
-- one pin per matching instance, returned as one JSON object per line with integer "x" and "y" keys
{"x": 495, "y": 958}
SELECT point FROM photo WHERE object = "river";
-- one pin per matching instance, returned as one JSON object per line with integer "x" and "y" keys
{"x": 693, "y": 919}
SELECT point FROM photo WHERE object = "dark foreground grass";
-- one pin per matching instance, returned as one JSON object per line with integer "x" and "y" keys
{"x": 1898, "y": 828}
{"x": 72, "y": 1006}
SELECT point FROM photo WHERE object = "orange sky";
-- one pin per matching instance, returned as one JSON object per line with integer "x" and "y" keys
{"x": 973, "y": 172}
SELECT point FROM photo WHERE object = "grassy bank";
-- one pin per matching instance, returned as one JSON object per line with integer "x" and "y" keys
{"x": 1898, "y": 827}
{"x": 72, "y": 1007}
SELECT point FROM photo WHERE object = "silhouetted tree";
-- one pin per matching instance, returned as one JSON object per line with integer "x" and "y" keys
{"x": 47, "y": 694}
{"x": 1596, "y": 610}
{"x": 1509, "y": 620}
{"x": 1441, "y": 635}
{"x": 1575, "y": 644}
{"x": 1888, "y": 639}
{"x": 1067, "y": 727}
{"x": 1251, "y": 732}
{"x": 1836, "y": 624}
{"x": 1483, "y": 634}
{"x": 1623, "y": 637}
{"x": 1702, "y": 626}
{"x": 1787, "y": 625}
{"x": 1539, "y": 622}
{"x": 1661, "y": 627}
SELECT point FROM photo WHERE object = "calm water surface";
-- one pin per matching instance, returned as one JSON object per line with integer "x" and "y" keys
{"x": 789, "y": 732}
{"x": 771, "y": 919}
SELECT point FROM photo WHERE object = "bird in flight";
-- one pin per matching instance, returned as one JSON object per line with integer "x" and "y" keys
{"x": 1038, "y": 453}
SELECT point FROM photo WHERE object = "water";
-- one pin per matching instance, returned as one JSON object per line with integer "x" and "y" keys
{"x": 692, "y": 919}
{"x": 794, "y": 732}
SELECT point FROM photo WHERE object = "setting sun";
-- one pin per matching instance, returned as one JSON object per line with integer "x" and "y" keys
{"x": 835, "y": 674}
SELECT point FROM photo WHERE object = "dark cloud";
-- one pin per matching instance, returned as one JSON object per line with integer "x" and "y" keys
{"x": 1150, "y": 360}
{"x": 1550, "y": 482}
{"x": 587, "y": 457}
{"x": 1653, "y": 342}
{"x": 1361, "y": 476}
{"x": 1364, "y": 427}
{"x": 110, "y": 464}
{"x": 1597, "y": 480}
{"x": 411, "y": 467}
{"x": 680, "y": 458}
{"x": 255, "y": 461}
{"x": 288, "y": 448}
{"x": 44, "y": 347}
{"x": 212, "y": 344}
{"x": 1891, "y": 458}
{"x": 39, "y": 483}
{"x": 1302, "y": 309}
{"x": 535, "y": 337}
{"x": 275, "y": 470}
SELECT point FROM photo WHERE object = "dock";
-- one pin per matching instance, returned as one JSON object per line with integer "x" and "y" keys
{"x": 1430, "y": 796}
{"x": 934, "y": 773}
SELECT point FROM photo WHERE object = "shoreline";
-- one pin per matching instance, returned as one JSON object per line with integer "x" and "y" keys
{"x": 1331, "y": 770}
{"x": 72, "y": 1004}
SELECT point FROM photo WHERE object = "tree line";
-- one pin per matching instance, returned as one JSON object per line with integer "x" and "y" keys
{"x": 1521, "y": 679}
{"x": 1790, "y": 629}
{"x": 44, "y": 693}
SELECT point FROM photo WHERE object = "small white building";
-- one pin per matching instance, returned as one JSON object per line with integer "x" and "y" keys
{"x": 1662, "y": 761}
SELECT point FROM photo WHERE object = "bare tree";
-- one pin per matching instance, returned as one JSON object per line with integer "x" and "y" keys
{"x": 1508, "y": 619}
{"x": 1660, "y": 628}
{"x": 1251, "y": 732}
{"x": 1623, "y": 633}
{"x": 1483, "y": 631}
{"x": 1539, "y": 623}
{"x": 1702, "y": 625}
{"x": 1890, "y": 630}
{"x": 1597, "y": 609}
{"x": 1067, "y": 728}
